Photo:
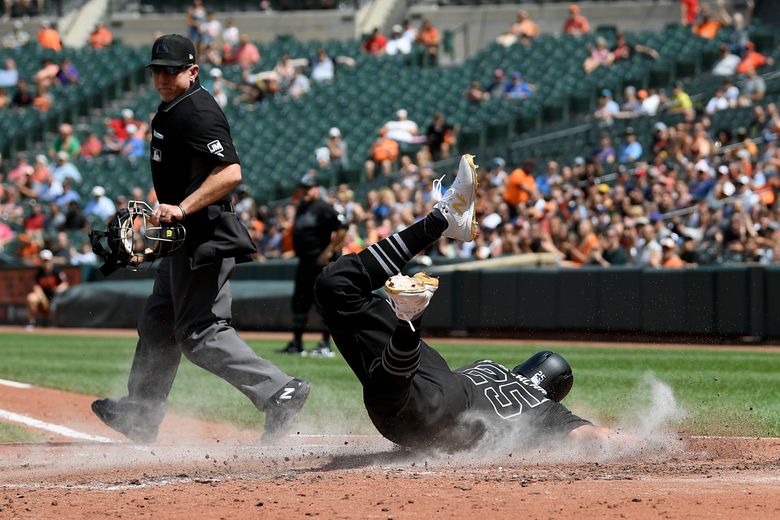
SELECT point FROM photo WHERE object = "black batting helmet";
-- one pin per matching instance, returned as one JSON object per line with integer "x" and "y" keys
{"x": 129, "y": 223}
{"x": 549, "y": 371}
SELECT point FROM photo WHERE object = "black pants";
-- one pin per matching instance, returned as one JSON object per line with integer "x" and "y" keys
{"x": 303, "y": 295}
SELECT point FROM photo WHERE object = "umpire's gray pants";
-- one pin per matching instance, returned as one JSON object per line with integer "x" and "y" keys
{"x": 189, "y": 312}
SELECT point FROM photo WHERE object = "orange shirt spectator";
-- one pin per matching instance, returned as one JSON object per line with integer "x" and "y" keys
{"x": 246, "y": 53}
{"x": 586, "y": 247}
{"x": 100, "y": 37}
{"x": 524, "y": 26}
{"x": 48, "y": 37}
{"x": 42, "y": 100}
{"x": 752, "y": 60}
{"x": 576, "y": 24}
{"x": 428, "y": 35}
{"x": 384, "y": 149}
{"x": 519, "y": 187}
{"x": 708, "y": 28}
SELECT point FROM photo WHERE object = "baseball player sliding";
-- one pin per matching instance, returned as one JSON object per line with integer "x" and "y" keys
{"x": 412, "y": 396}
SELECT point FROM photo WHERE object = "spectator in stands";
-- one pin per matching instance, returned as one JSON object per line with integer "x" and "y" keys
{"x": 47, "y": 74}
{"x": 731, "y": 91}
{"x": 625, "y": 51}
{"x": 20, "y": 169}
{"x": 598, "y": 56}
{"x": 610, "y": 250}
{"x": 648, "y": 249}
{"x": 384, "y": 152}
{"x": 475, "y": 94}
{"x": 100, "y": 37}
{"x": 91, "y": 147}
{"x": 67, "y": 74}
{"x": 606, "y": 107}
{"x": 375, "y": 43}
{"x": 5, "y": 99}
{"x": 246, "y": 53}
{"x": 632, "y": 149}
{"x": 717, "y": 102}
{"x": 409, "y": 31}
{"x": 74, "y": 215}
{"x": 430, "y": 39}
{"x": 196, "y": 18}
{"x": 752, "y": 60}
{"x": 322, "y": 68}
{"x": 337, "y": 152}
{"x": 49, "y": 282}
{"x": 576, "y": 24}
{"x": 631, "y": 105}
{"x": 519, "y": 188}
{"x": 42, "y": 101}
{"x": 440, "y": 136}
{"x": 738, "y": 37}
{"x": 497, "y": 86}
{"x": 681, "y": 102}
{"x": 402, "y": 129}
{"x": 518, "y": 88}
{"x": 605, "y": 154}
{"x": 135, "y": 146}
{"x": 651, "y": 101}
{"x": 709, "y": 25}
{"x": 689, "y": 9}
{"x": 99, "y": 205}
{"x": 48, "y": 37}
{"x": 64, "y": 169}
{"x": 9, "y": 75}
{"x": 220, "y": 96}
{"x": 300, "y": 84}
{"x": 753, "y": 89}
{"x": 230, "y": 35}
{"x": 524, "y": 27}
{"x": 397, "y": 44}
{"x": 727, "y": 62}
{"x": 49, "y": 189}
{"x": 670, "y": 259}
{"x": 17, "y": 38}
{"x": 65, "y": 142}
{"x": 211, "y": 30}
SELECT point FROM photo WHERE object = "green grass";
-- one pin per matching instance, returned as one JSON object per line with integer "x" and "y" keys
{"x": 723, "y": 392}
{"x": 12, "y": 433}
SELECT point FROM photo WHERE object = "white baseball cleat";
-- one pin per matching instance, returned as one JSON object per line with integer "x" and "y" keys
{"x": 457, "y": 204}
{"x": 409, "y": 296}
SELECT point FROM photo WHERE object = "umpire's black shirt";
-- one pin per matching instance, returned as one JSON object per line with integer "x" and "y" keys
{"x": 191, "y": 137}
{"x": 315, "y": 221}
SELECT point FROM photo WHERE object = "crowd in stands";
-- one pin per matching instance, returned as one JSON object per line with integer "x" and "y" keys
{"x": 698, "y": 194}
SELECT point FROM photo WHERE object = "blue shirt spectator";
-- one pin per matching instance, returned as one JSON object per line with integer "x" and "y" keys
{"x": 68, "y": 194}
{"x": 100, "y": 205}
{"x": 65, "y": 169}
{"x": 517, "y": 88}
{"x": 632, "y": 150}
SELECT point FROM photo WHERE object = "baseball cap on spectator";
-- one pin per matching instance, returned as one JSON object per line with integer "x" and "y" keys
{"x": 397, "y": 29}
{"x": 630, "y": 131}
{"x": 40, "y": 158}
{"x": 603, "y": 187}
{"x": 642, "y": 94}
{"x": 579, "y": 161}
{"x": 127, "y": 113}
{"x": 62, "y": 155}
{"x": 743, "y": 179}
{"x": 723, "y": 169}
{"x": 517, "y": 75}
{"x": 98, "y": 191}
{"x": 606, "y": 92}
{"x": 131, "y": 129}
{"x": 46, "y": 255}
{"x": 334, "y": 132}
{"x": 216, "y": 72}
{"x": 172, "y": 50}
{"x": 308, "y": 181}
{"x": 401, "y": 114}
{"x": 660, "y": 127}
{"x": 18, "y": 24}
{"x": 729, "y": 189}
{"x": 655, "y": 217}
{"x": 668, "y": 243}
{"x": 499, "y": 162}
{"x": 491, "y": 221}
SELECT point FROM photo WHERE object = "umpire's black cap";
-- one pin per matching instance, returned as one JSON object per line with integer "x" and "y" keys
{"x": 172, "y": 50}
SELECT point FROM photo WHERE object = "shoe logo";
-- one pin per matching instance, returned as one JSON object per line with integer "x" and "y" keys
{"x": 287, "y": 394}
{"x": 460, "y": 205}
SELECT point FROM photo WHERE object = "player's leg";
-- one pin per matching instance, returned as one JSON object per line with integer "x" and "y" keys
{"x": 300, "y": 312}
{"x": 203, "y": 329}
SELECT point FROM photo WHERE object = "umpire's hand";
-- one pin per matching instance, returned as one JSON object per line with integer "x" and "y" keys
{"x": 166, "y": 214}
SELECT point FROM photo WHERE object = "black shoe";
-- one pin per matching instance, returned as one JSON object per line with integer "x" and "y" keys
{"x": 323, "y": 350}
{"x": 282, "y": 409}
{"x": 295, "y": 348}
{"x": 129, "y": 419}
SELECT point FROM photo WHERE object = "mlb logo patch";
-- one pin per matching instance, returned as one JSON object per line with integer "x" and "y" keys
{"x": 215, "y": 147}
{"x": 156, "y": 155}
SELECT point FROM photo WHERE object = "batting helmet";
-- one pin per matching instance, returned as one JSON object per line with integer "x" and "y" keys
{"x": 549, "y": 371}
{"x": 128, "y": 224}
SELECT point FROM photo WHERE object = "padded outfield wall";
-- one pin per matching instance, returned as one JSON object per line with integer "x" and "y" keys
{"x": 723, "y": 303}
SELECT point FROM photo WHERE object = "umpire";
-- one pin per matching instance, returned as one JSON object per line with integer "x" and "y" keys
{"x": 194, "y": 167}
{"x": 318, "y": 231}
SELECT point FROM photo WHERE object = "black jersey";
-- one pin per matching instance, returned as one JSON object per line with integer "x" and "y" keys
{"x": 190, "y": 137}
{"x": 315, "y": 221}
{"x": 49, "y": 280}
{"x": 455, "y": 409}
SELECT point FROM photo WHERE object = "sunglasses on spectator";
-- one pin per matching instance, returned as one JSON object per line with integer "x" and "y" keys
{"x": 170, "y": 70}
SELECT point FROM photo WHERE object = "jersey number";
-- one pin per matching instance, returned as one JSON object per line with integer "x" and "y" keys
{"x": 506, "y": 396}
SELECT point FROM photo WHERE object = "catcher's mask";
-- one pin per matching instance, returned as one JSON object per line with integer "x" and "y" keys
{"x": 549, "y": 371}
{"x": 123, "y": 247}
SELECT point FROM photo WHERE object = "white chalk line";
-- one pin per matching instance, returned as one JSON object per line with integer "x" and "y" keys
{"x": 14, "y": 384}
{"x": 53, "y": 428}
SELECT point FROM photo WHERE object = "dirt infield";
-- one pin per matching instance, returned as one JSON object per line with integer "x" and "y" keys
{"x": 205, "y": 470}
